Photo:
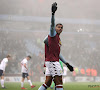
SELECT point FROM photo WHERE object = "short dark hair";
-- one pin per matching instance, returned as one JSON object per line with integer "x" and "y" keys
{"x": 8, "y": 56}
{"x": 59, "y": 24}
{"x": 29, "y": 56}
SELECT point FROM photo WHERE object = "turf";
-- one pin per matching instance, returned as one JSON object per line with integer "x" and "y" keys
{"x": 67, "y": 86}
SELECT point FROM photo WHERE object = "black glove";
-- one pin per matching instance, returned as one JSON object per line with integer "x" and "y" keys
{"x": 43, "y": 72}
{"x": 70, "y": 67}
{"x": 54, "y": 8}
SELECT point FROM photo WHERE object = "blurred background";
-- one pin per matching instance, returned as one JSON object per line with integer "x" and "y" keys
{"x": 25, "y": 23}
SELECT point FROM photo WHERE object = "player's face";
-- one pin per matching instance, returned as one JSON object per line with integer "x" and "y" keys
{"x": 9, "y": 58}
{"x": 28, "y": 58}
{"x": 59, "y": 29}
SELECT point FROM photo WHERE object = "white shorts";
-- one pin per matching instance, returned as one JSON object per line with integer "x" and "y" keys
{"x": 53, "y": 68}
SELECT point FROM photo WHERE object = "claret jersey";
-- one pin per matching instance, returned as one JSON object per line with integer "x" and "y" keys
{"x": 52, "y": 50}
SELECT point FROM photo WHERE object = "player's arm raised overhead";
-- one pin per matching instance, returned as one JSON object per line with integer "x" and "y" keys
{"x": 52, "y": 28}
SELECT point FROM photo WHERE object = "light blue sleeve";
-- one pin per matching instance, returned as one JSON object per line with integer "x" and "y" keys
{"x": 46, "y": 40}
{"x": 52, "y": 28}
{"x": 62, "y": 59}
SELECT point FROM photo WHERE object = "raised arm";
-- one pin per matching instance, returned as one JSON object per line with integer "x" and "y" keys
{"x": 52, "y": 28}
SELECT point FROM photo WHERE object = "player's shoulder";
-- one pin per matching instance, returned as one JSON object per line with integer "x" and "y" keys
{"x": 25, "y": 60}
{"x": 53, "y": 36}
{"x": 5, "y": 59}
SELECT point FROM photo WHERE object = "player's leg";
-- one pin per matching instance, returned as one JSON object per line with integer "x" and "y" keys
{"x": 48, "y": 77}
{"x": 2, "y": 81}
{"x": 22, "y": 82}
{"x": 47, "y": 84}
{"x": 28, "y": 79}
{"x": 59, "y": 83}
{"x": 2, "y": 78}
{"x": 58, "y": 76}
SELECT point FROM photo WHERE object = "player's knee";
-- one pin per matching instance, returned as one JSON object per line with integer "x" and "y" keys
{"x": 48, "y": 83}
{"x": 28, "y": 78}
{"x": 58, "y": 81}
{"x": 2, "y": 77}
{"x": 61, "y": 81}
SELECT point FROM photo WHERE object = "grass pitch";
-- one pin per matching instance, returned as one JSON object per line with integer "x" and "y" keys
{"x": 67, "y": 86}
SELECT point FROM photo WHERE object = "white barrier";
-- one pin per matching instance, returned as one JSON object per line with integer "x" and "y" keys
{"x": 65, "y": 79}
{"x": 97, "y": 79}
{"x": 13, "y": 79}
{"x": 76, "y": 79}
{"x": 84, "y": 79}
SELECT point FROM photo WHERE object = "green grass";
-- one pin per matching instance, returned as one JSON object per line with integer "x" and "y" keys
{"x": 67, "y": 86}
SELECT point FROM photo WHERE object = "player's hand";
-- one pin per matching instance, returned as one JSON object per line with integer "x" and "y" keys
{"x": 54, "y": 8}
{"x": 70, "y": 67}
{"x": 43, "y": 72}
{"x": 26, "y": 69}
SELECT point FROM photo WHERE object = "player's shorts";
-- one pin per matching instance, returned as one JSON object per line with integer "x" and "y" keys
{"x": 24, "y": 75}
{"x": 1, "y": 73}
{"x": 53, "y": 68}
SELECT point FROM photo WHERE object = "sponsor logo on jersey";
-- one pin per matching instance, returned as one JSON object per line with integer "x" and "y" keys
{"x": 59, "y": 43}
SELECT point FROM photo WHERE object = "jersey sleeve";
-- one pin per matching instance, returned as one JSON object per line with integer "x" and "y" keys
{"x": 25, "y": 62}
{"x": 6, "y": 60}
